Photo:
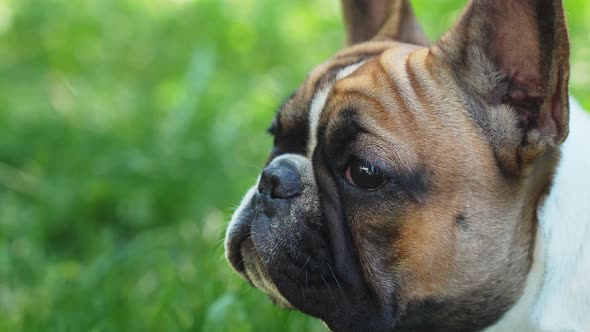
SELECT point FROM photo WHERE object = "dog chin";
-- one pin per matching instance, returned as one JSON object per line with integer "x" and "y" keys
{"x": 296, "y": 276}
{"x": 257, "y": 254}
{"x": 276, "y": 266}
{"x": 257, "y": 274}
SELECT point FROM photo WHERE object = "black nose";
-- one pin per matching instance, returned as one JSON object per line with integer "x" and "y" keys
{"x": 280, "y": 179}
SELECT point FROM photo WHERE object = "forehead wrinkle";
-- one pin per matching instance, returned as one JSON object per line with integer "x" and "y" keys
{"x": 296, "y": 109}
{"x": 374, "y": 84}
{"x": 346, "y": 57}
{"x": 432, "y": 97}
{"x": 368, "y": 90}
{"x": 319, "y": 99}
{"x": 348, "y": 99}
{"x": 410, "y": 118}
{"x": 375, "y": 129}
{"x": 415, "y": 76}
{"x": 328, "y": 70}
{"x": 323, "y": 73}
{"x": 386, "y": 146}
{"x": 321, "y": 80}
{"x": 396, "y": 82}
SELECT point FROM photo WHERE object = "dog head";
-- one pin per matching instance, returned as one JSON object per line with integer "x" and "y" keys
{"x": 402, "y": 188}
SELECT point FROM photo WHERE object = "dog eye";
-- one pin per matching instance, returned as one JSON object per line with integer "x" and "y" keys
{"x": 362, "y": 174}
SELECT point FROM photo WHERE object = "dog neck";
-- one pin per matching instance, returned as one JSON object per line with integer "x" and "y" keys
{"x": 557, "y": 295}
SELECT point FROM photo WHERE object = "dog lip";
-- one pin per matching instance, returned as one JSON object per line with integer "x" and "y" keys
{"x": 234, "y": 252}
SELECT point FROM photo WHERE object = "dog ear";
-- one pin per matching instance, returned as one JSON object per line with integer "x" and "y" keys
{"x": 512, "y": 57}
{"x": 382, "y": 20}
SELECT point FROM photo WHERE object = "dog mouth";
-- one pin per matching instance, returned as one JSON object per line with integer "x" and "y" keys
{"x": 257, "y": 274}
{"x": 297, "y": 250}
{"x": 234, "y": 251}
{"x": 275, "y": 259}
{"x": 243, "y": 255}
{"x": 238, "y": 231}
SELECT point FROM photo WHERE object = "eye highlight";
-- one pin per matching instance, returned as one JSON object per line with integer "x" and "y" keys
{"x": 362, "y": 174}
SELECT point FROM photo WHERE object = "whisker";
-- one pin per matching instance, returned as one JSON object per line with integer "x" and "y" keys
{"x": 304, "y": 264}
{"x": 329, "y": 288}
{"x": 257, "y": 167}
{"x": 220, "y": 242}
{"x": 336, "y": 279}
{"x": 476, "y": 214}
{"x": 315, "y": 291}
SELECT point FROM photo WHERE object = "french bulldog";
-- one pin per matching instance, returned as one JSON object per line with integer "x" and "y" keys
{"x": 417, "y": 186}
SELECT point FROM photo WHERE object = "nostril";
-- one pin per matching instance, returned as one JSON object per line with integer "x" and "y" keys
{"x": 279, "y": 180}
{"x": 265, "y": 184}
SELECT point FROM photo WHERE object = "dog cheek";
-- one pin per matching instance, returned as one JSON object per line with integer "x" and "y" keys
{"x": 373, "y": 237}
{"x": 425, "y": 255}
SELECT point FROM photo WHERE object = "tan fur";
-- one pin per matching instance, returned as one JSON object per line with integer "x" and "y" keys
{"x": 408, "y": 96}
{"x": 437, "y": 108}
{"x": 432, "y": 259}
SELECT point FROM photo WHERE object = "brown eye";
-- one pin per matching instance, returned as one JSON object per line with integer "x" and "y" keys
{"x": 362, "y": 174}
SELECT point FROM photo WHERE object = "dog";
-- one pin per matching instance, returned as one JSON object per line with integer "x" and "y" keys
{"x": 417, "y": 186}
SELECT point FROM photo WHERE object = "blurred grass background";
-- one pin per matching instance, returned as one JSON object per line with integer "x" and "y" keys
{"x": 129, "y": 131}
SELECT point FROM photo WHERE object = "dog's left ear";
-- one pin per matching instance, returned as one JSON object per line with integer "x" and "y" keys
{"x": 512, "y": 57}
{"x": 382, "y": 20}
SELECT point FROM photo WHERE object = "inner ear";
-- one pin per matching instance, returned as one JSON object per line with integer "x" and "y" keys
{"x": 514, "y": 53}
{"x": 382, "y": 20}
{"x": 521, "y": 48}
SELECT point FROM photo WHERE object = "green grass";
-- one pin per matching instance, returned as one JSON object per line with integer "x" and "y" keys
{"x": 128, "y": 132}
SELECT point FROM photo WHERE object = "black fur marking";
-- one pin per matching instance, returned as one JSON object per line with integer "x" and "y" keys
{"x": 414, "y": 183}
{"x": 346, "y": 132}
{"x": 291, "y": 141}
{"x": 461, "y": 221}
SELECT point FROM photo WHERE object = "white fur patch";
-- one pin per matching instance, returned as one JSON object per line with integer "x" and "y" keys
{"x": 348, "y": 70}
{"x": 518, "y": 318}
{"x": 317, "y": 105}
{"x": 318, "y": 101}
{"x": 557, "y": 293}
{"x": 564, "y": 300}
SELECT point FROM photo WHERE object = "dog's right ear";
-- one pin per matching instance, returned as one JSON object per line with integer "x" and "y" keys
{"x": 382, "y": 20}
